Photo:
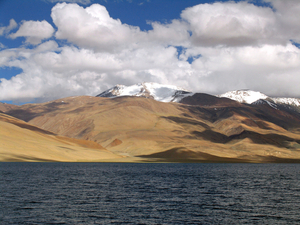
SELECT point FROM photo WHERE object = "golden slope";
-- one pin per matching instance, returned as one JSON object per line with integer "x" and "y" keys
{"x": 140, "y": 127}
{"x": 20, "y": 141}
{"x": 5, "y": 107}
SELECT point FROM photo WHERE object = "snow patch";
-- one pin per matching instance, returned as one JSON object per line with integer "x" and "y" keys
{"x": 263, "y": 102}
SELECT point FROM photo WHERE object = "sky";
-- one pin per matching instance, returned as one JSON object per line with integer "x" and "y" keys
{"x": 51, "y": 49}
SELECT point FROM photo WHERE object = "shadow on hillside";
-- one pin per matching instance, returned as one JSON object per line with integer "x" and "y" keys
{"x": 182, "y": 155}
{"x": 267, "y": 139}
{"x": 30, "y": 113}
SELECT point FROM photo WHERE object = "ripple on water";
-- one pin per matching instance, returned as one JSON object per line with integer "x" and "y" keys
{"x": 100, "y": 193}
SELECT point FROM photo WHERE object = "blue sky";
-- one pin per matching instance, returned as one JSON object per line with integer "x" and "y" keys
{"x": 51, "y": 49}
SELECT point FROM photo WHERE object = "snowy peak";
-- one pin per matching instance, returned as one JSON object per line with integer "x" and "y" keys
{"x": 257, "y": 98}
{"x": 244, "y": 96}
{"x": 287, "y": 101}
{"x": 159, "y": 92}
{"x": 171, "y": 93}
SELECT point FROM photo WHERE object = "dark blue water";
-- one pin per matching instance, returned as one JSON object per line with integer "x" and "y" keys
{"x": 107, "y": 193}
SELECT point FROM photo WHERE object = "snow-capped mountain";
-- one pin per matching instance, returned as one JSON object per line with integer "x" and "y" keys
{"x": 171, "y": 93}
{"x": 244, "y": 96}
{"x": 159, "y": 92}
{"x": 288, "y": 101}
{"x": 254, "y": 97}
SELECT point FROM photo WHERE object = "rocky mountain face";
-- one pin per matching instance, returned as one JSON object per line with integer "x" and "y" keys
{"x": 199, "y": 127}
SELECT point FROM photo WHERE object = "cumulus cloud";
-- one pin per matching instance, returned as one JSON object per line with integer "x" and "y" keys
{"x": 92, "y": 27}
{"x": 231, "y": 24}
{"x": 12, "y": 25}
{"x": 262, "y": 68}
{"x": 65, "y": 71}
{"x": 211, "y": 48}
{"x": 34, "y": 31}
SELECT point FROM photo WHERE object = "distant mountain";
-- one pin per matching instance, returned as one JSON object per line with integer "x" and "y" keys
{"x": 171, "y": 93}
{"x": 288, "y": 101}
{"x": 202, "y": 128}
{"x": 244, "y": 96}
{"x": 255, "y": 97}
{"x": 158, "y": 92}
{"x": 133, "y": 125}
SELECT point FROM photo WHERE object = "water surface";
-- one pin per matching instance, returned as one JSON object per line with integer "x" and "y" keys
{"x": 107, "y": 193}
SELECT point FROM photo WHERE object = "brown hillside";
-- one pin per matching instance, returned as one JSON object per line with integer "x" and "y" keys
{"x": 5, "y": 107}
{"x": 20, "y": 141}
{"x": 216, "y": 130}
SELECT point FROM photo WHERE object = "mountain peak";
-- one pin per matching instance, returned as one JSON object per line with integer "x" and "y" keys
{"x": 256, "y": 97}
{"x": 172, "y": 93}
{"x": 244, "y": 95}
{"x": 159, "y": 92}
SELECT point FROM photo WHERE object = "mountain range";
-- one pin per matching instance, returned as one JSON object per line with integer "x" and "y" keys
{"x": 171, "y": 93}
{"x": 151, "y": 122}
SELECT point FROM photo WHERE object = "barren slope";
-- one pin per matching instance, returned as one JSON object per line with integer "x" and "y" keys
{"x": 20, "y": 141}
{"x": 206, "y": 128}
{"x": 5, "y": 107}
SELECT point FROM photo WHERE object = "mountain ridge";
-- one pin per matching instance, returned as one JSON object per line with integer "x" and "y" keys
{"x": 172, "y": 93}
{"x": 251, "y": 97}
{"x": 143, "y": 129}
{"x": 197, "y": 128}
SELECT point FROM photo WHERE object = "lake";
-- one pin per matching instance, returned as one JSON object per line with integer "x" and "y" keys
{"x": 153, "y": 193}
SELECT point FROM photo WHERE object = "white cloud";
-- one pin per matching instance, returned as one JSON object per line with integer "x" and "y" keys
{"x": 12, "y": 25}
{"x": 232, "y": 24}
{"x": 175, "y": 33}
{"x": 34, "y": 31}
{"x": 69, "y": 71}
{"x": 234, "y": 46}
{"x": 263, "y": 68}
{"x": 92, "y": 27}
{"x": 287, "y": 13}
